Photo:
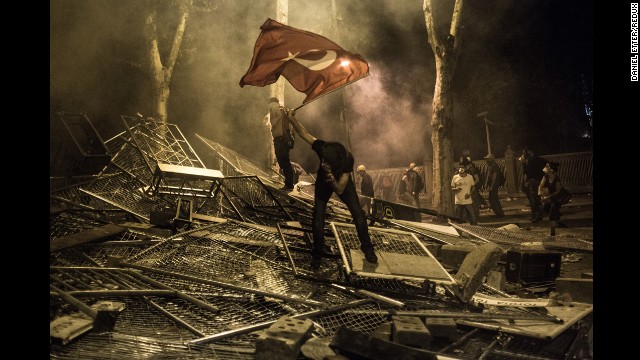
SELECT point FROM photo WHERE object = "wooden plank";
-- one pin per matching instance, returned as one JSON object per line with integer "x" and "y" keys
{"x": 189, "y": 172}
{"x": 442, "y": 229}
{"x": 99, "y": 233}
{"x": 208, "y": 218}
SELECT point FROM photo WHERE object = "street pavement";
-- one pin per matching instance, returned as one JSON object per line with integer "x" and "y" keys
{"x": 576, "y": 221}
{"x": 576, "y": 216}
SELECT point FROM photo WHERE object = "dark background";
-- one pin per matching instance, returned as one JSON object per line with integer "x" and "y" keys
{"x": 528, "y": 63}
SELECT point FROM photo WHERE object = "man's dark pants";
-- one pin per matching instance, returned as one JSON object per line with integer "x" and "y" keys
{"x": 281, "y": 148}
{"x": 322, "y": 194}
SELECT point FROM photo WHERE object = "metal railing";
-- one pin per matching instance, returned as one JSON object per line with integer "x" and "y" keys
{"x": 575, "y": 171}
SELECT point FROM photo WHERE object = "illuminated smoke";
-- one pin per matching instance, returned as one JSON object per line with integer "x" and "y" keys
{"x": 97, "y": 46}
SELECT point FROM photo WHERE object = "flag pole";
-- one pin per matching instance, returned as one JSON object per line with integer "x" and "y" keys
{"x": 339, "y": 87}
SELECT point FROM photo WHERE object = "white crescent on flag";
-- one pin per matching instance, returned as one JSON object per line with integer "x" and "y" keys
{"x": 315, "y": 65}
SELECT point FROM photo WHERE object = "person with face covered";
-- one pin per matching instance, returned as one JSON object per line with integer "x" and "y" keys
{"x": 334, "y": 175}
{"x": 282, "y": 140}
{"x": 462, "y": 186}
{"x": 549, "y": 192}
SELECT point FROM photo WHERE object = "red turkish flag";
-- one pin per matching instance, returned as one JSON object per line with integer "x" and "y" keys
{"x": 311, "y": 63}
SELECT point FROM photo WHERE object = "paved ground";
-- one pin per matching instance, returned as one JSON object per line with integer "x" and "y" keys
{"x": 576, "y": 216}
{"x": 576, "y": 221}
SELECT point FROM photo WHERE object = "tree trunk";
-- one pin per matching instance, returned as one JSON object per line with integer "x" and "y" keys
{"x": 441, "y": 135}
{"x": 446, "y": 51}
{"x": 159, "y": 74}
{"x": 160, "y": 99}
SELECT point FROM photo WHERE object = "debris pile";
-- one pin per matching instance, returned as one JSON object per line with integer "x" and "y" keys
{"x": 157, "y": 255}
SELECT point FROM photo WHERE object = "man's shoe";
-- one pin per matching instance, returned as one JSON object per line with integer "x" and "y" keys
{"x": 536, "y": 219}
{"x": 287, "y": 188}
{"x": 315, "y": 263}
{"x": 370, "y": 255}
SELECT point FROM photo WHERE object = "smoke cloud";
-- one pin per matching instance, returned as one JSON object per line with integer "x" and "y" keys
{"x": 97, "y": 49}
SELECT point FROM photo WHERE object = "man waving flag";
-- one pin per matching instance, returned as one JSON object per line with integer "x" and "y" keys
{"x": 311, "y": 63}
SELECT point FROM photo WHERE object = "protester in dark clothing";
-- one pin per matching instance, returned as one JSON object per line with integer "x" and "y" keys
{"x": 532, "y": 166}
{"x": 411, "y": 178}
{"x": 366, "y": 188}
{"x": 334, "y": 175}
{"x": 282, "y": 140}
{"x": 493, "y": 176}
{"x": 549, "y": 190}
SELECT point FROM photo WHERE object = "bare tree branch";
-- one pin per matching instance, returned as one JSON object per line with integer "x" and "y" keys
{"x": 150, "y": 24}
{"x": 456, "y": 31}
{"x": 177, "y": 41}
{"x": 432, "y": 31}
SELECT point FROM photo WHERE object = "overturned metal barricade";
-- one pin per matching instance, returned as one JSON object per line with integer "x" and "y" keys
{"x": 232, "y": 163}
{"x": 519, "y": 237}
{"x": 161, "y": 142}
{"x": 400, "y": 255}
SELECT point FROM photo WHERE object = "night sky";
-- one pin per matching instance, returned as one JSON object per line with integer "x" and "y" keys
{"x": 528, "y": 63}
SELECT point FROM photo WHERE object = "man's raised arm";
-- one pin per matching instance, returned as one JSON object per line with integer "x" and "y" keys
{"x": 302, "y": 132}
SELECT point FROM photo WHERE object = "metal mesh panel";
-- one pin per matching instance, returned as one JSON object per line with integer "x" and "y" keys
{"x": 161, "y": 142}
{"x": 116, "y": 142}
{"x": 516, "y": 238}
{"x": 365, "y": 318}
{"x": 121, "y": 346}
{"x": 71, "y": 194}
{"x": 388, "y": 243}
{"x": 130, "y": 160}
{"x": 57, "y": 183}
{"x": 246, "y": 199}
{"x": 66, "y": 223}
{"x": 124, "y": 192}
{"x": 250, "y": 268}
{"x": 236, "y": 252}
{"x": 463, "y": 239}
{"x": 93, "y": 254}
{"x": 142, "y": 331}
{"x": 331, "y": 269}
{"x": 244, "y": 255}
{"x": 239, "y": 164}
